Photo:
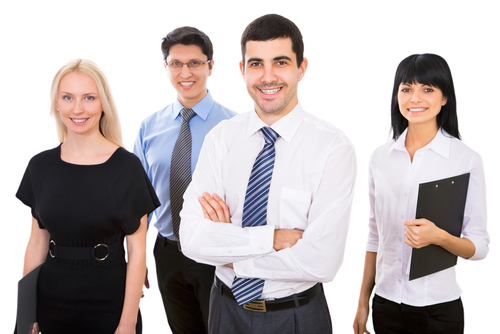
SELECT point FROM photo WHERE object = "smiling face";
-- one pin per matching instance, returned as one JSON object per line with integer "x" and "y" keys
{"x": 190, "y": 83}
{"x": 79, "y": 104}
{"x": 272, "y": 75}
{"x": 420, "y": 104}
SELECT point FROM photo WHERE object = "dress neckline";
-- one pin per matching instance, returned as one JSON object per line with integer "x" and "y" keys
{"x": 91, "y": 165}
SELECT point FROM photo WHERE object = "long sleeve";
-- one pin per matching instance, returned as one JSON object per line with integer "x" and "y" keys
{"x": 319, "y": 254}
{"x": 216, "y": 243}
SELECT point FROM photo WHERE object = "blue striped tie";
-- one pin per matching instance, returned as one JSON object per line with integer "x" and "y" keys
{"x": 246, "y": 290}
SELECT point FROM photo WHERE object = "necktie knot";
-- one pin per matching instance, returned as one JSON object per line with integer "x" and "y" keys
{"x": 187, "y": 114}
{"x": 270, "y": 136}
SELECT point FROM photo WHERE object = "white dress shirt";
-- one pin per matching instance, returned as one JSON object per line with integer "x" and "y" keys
{"x": 394, "y": 182}
{"x": 311, "y": 189}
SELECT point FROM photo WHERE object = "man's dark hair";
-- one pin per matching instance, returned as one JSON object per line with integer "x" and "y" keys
{"x": 432, "y": 70}
{"x": 187, "y": 36}
{"x": 273, "y": 26}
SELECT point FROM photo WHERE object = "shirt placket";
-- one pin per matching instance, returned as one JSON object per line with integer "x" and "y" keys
{"x": 409, "y": 213}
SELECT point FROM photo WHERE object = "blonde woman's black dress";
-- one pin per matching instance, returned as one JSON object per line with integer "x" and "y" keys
{"x": 88, "y": 210}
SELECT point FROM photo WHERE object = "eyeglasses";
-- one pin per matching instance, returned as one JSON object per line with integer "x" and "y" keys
{"x": 192, "y": 64}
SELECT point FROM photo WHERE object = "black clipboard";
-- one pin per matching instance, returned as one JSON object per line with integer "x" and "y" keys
{"x": 443, "y": 203}
{"x": 26, "y": 301}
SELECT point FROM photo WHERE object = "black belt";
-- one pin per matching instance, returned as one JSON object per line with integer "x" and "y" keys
{"x": 293, "y": 301}
{"x": 172, "y": 242}
{"x": 99, "y": 252}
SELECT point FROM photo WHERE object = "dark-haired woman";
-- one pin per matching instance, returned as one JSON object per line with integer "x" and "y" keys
{"x": 426, "y": 147}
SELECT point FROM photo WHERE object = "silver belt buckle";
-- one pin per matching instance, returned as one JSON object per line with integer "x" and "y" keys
{"x": 52, "y": 242}
{"x": 104, "y": 258}
{"x": 256, "y": 306}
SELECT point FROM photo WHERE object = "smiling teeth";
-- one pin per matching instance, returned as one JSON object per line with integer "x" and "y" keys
{"x": 79, "y": 120}
{"x": 186, "y": 84}
{"x": 416, "y": 109}
{"x": 270, "y": 91}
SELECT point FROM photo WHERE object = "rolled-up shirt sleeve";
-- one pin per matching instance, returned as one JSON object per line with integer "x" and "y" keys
{"x": 474, "y": 226}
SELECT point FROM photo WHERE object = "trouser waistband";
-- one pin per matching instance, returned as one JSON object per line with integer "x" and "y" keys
{"x": 292, "y": 301}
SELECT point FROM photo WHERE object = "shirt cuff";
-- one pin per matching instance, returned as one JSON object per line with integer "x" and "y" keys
{"x": 482, "y": 249}
{"x": 261, "y": 242}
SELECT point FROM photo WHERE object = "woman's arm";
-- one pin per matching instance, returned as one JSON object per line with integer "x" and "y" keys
{"x": 422, "y": 232}
{"x": 136, "y": 271}
{"x": 37, "y": 248}
{"x": 364, "y": 296}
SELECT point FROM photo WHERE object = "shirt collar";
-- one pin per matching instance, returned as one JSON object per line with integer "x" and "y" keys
{"x": 201, "y": 109}
{"x": 286, "y": 126}
{"x": 441, "y": 144}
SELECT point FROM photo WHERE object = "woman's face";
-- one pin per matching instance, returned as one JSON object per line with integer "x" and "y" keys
{"x": 420, "y": 104}
{"x": 79, "y": 104}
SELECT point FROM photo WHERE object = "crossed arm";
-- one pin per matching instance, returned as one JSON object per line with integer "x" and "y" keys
{"x": 216, "y": 210}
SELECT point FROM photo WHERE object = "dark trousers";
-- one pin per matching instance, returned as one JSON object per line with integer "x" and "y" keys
{"x": 185, "y": 288}
{"x": 393, "y": 318}
{"x": 227, "y": 317}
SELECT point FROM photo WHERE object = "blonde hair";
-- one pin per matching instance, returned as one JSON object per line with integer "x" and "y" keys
{"x": 109, "y": 125}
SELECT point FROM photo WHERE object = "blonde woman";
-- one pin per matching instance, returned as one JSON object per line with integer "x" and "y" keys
{"x": 86, "y": 196}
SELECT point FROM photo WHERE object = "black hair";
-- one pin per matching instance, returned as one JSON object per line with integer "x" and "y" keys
{"x": 273, "y": 26}
{"x": 187, "y": 36}
{"x": 432, "y": 70}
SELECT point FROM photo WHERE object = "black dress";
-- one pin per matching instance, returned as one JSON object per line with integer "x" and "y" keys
{"x": 82, "y": 206}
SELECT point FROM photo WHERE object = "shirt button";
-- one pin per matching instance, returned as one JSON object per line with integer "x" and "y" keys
{"x": 399, "y": 281}
{"x": 400, "y": 239}
{"x": 244, "y": 270}
{"x": 273, "y": 275}
{"x": 230, "y": 252}
{"x": 261, "y": 247}
{"x": 399, "y": 260}
{"x": 402, "y": 217}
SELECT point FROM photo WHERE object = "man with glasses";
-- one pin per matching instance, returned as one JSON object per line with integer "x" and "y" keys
{"x": 168, "y": 145}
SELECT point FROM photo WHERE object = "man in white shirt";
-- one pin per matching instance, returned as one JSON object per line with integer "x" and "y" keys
{"x": 298, "y": 240}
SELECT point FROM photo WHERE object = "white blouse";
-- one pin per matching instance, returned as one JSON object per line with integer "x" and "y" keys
{"x": 393, "y": 182}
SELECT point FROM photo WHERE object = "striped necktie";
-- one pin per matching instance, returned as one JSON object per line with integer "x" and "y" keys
{"x": 180, "y": 169}
{"x": 246, "y": 290}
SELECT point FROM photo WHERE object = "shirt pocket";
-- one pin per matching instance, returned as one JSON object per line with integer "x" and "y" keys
{"x": 294, "y": 208}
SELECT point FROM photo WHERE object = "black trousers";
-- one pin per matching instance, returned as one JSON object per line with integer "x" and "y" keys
{"x": 393, "y": 318}
{"x": 185, "y": 288}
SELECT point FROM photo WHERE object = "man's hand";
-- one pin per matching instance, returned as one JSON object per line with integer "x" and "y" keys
{"x": 286, "y": 238}
{"x": 214, "y": 208}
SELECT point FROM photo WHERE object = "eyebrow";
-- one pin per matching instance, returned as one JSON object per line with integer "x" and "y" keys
{"x": 260, "y": 60}
{"x": 194, "y": 59}
{"x": 86, "y": 94}
{"x": 282, "y": 57}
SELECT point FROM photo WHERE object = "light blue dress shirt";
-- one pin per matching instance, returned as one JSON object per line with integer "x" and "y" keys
{"x": 155, "y": 142}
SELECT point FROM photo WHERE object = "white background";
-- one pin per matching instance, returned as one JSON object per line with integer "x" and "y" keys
{"x": 353, "y": 49}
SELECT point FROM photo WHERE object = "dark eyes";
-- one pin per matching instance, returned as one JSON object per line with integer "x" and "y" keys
{"x": 279, "y": 63}
{"x": 191, "y": 64}
{"x": 407, "y": 90}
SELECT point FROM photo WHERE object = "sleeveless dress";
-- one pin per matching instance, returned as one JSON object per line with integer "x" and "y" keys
{"x": 83, "y": 206}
